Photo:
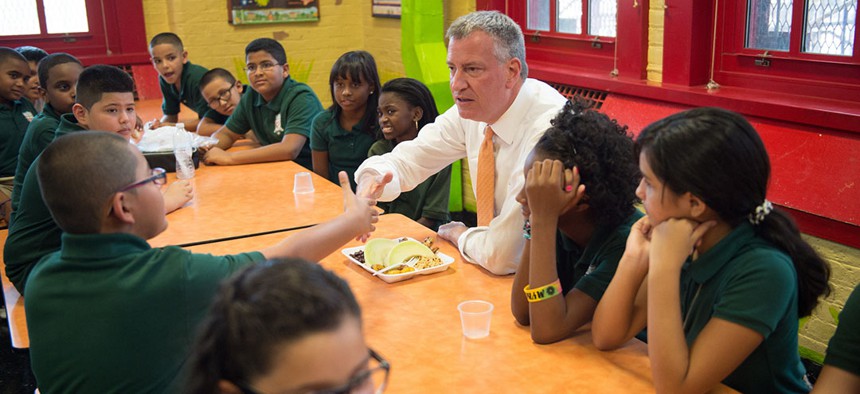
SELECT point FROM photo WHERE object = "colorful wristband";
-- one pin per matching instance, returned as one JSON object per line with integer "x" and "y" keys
{"x": 544, "y": 292}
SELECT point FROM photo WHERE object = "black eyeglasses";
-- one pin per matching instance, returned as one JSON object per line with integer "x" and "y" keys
{"x": 159, "y": 177}
{"x": 264, "y": 66}
{"x": 375, "y": 378}
{"x": 223, "y": 97}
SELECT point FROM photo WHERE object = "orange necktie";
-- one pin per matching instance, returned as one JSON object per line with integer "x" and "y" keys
{"x": 486, "y": 179}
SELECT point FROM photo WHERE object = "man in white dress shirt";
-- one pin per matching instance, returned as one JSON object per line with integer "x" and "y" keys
{"x": 486, "y": 57}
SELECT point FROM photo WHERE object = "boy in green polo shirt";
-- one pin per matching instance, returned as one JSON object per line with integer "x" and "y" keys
{"x": 279, "y": 110}
{"x": 178, "y": 79}
{"x": 222, "y": 93}
{"x": 58, "y": 74}
{"x": 34, "y": 92}
{"x": 15, "y": 115}
{"x": 108, "y": 313}
{"x": 105, "y": 101}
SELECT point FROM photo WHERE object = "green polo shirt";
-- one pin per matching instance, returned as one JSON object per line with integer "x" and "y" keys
{"x": 292, "y": 111}
{"x": 429, "y": 199}
{"x": 109, "y": 314}
{"x": 188, "y": 93}
{"x": 746, "y": 280}
{"x": 843, "y": 351}
{"x": 32, "y": 231}
{"x": 39, "y": 134}
{"x": 346, "y": 149}
{"x": 591, "y": 269}
{"x": 14, "y": 120}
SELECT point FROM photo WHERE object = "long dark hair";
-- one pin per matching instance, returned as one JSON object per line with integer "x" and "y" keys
{"x": 357, "y": 65}
{"x": 416, "y": 94}
{"x": 717, "y": 155}
{"x": 259, "y": 310}
{"x": 602, "y": 151}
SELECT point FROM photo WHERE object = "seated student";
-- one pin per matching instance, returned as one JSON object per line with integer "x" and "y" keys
{"x": 405, "y": 106}
{"x": 278, "y": 110}
{"x": 720, "y": 276}
{"x": 34, "y": 92}
{"x": 222, "y": 93}
{"x": 841, "y": 372}
{"x": 16, "y": 112}
{"x": 343, "y": 134}
{"x": 178, "y": 79}
{"x": 578, "y": 202}
{"x": 58, "y": 74}
{"x": 108, "y": 313}
{"x": 310, "y": 320}
{"x": 105, "y": 102}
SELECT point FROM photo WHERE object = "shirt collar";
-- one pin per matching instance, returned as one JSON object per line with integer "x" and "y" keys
{"x": 709, "y": 263}
{"x": 49, "y": 111}
{"x": 100, "y": 246}
{"x": 508, "y": 125}
{"x": 275, "y": 104}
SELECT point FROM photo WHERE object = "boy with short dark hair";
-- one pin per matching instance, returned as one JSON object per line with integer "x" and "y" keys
{"x": 16, "y": 113}
{"x": 104, "y": 102}
{"x": 108, "y": 313}
{"x": 178, "y": 79}
{"x": 58, "y": 74}
{"x": 222, "y": 93}
{"x": 34, "y": 93}
{"x": 279, "y": 110}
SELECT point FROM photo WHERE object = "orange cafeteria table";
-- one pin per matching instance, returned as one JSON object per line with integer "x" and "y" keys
{"x": 252, "y": 199}
{"x": 14, "y": 304}
{"x": 416, "y": 326}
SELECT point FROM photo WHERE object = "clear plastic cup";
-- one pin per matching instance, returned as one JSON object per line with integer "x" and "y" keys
{"x": 475, "y": 315}
{"x": 303, "y": 183}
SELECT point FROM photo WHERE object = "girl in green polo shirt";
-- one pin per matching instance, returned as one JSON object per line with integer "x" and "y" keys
{"x": 405, "y": 106}
{"x": 719, "y": 275}
{"x": 578, "y": 203}
{"x": 341, "y": 136}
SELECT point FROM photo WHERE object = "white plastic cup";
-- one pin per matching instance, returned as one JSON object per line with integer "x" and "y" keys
{"x": 475, "y": 315}
{"x": 303, "y": 183}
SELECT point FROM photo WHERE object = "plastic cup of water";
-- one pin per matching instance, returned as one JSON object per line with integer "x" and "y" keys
{"x": 303, "y": 183}
{"x": 475, "y": 315}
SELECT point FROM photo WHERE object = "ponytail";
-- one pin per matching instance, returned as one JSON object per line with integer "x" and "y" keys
{"x": 813, "y": 273}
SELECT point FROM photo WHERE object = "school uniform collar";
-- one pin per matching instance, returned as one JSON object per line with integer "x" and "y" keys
{"x": 509, "y": 124}
{"x": 275, "y": 104}
{"x": 49, "y": 111}
{"x": 100, "y": 246}
{"x": 12, "y": 105}
{"x": 68, "y": 124}
{"x": 598, "y": 239}
{"x": 709, "y": 263}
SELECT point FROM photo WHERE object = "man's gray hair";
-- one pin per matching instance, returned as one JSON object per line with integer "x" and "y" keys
{"x": 508, "y": 42}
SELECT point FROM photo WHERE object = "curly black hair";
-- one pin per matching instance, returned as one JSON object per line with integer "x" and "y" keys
{"x": 603, "y": 151}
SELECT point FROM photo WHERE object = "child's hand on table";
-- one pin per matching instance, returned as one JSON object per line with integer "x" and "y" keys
{"x": 177, "y": 194}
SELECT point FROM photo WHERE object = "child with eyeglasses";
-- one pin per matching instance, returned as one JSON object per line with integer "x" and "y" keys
{"x": 278, "y": 110}
{"x": 109, "y": 313}
{"x": 104, "y": 101}
{"x": 305, "y": 337}
{"x": 222, "y": 92}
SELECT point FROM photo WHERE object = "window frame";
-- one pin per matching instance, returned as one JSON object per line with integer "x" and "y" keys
{"x": 117, "y": 35}
{"x": 574, "y": 50}
{"x": 792, "y": 71}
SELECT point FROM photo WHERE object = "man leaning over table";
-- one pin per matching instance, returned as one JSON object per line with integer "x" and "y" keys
{"x": 486, "y": 57}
